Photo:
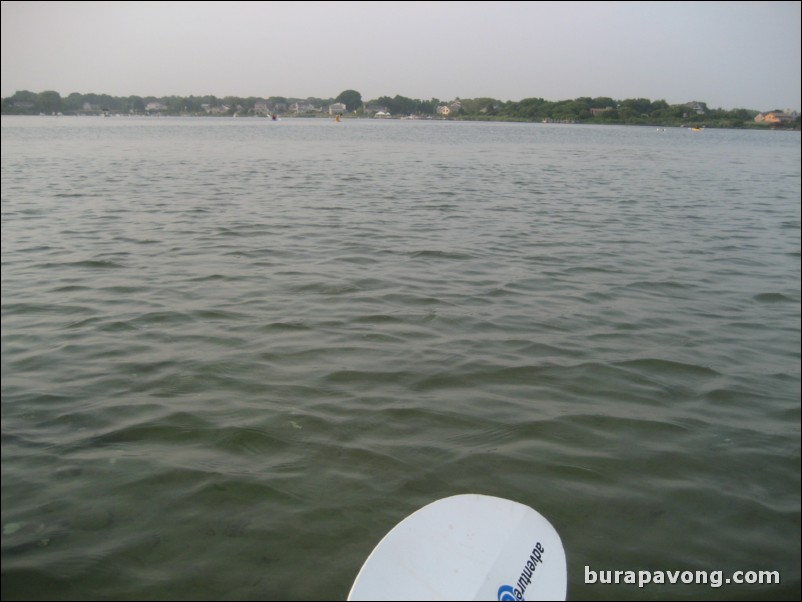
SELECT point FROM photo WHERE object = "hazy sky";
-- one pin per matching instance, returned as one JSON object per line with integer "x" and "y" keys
{"x": 728, "y": 54}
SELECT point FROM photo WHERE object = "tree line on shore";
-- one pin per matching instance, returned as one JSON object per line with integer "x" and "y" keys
{"x": 634, "y": 111}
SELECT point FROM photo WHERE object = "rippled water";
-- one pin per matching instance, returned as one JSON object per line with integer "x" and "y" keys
{"x": 236, "y": 352}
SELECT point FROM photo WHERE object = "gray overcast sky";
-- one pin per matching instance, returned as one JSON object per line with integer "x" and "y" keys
{"x": 728, "y": 54}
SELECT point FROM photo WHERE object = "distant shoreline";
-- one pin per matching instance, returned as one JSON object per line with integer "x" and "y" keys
{"x": 467, "y": 119}
{"x": 584, "y": 110}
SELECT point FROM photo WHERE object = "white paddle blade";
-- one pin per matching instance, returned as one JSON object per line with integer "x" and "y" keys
{"x": 466, "y": 547}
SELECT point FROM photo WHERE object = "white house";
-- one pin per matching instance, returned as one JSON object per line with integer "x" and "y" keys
{"x": 696, "y": 107}
{"x": 304, "y": 107}
{"x": 337, "y": 108}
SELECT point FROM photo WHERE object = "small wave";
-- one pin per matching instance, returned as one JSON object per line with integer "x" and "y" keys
{"x": 380, "y": 378}
{"x": 286, "y": 325}
{"x": 92, "y": 264}
{"x": 657, "y": 365}
{"x": 772, "y": 298}
{"x": 659, "y": 286}
{"x": 379, "y": 319}
{"x": 179, "y": 427}
{"x": 435, "y": 254}
{"x": 218, "y": 315}
{"x": 327, "y": 288}
{"x": 154, "y": 318}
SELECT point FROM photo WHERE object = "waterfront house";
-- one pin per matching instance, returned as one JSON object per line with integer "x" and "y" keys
{"x": 774, "y": 117}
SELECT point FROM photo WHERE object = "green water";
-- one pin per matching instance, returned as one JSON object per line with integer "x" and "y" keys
{"x": 236, "y": 352}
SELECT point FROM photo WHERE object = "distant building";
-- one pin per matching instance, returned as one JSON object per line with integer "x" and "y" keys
{"x": 260, "y": 107}
{"x": 337, "y": 108}
{"x": 304, "y": 107}
{"x": 155, "y": 106}
{"x": 372, "y": 109}
{"x": 443, "y": 110}
{"x": 697, "y": 107}
{"x": 214, "y": 110}
{"x": 597, "y": 112}
{"x": 775, "y": 117}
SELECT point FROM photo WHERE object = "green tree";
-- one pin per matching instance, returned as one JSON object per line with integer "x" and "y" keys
{"x": 603, "y": 102}
{"x": 428, "y": 107}
{"x": 401, "y": 105}
{"x": 48, "y": 102}
{"x": 175, "y": 104}
{"x": 110, "y": 103}
{"x": 608, "y": 116}
{"x": 636, "y": 107}
{"x": 351, "y": 99}
{"x": 21, "y": 103}
{"x": 533, "y": 109}
{"x": 574, "y": 109}
{"x": 73, "y": 103}
{"x": 479, "y": 106}
{"x": 385, "y": 101}
{"x": 24, "y": 96}
{"x": 136, "y": 104}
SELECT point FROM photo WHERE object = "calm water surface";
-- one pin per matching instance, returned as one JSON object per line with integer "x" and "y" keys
{"x": 236, "y": 352}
